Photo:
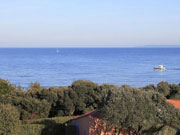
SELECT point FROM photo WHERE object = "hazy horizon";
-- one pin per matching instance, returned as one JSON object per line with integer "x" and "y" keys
{"x": 145, "y": 46}
{"x": 102, "y": 23}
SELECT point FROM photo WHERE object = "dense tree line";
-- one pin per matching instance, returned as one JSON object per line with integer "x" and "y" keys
{"x": 137, "y": 109}
{"x": 170, "y": 91}
{"x": 39, "y": 102}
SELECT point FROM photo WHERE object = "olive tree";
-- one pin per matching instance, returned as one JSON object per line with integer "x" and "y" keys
{"x": 138, "y": 112}
{"x": 163, "y": 87}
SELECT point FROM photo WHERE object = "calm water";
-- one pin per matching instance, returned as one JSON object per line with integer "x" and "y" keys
{"x": 133, "y": 66}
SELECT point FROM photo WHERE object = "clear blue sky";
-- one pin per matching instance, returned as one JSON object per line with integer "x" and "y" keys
{"x": 89, "y": 23}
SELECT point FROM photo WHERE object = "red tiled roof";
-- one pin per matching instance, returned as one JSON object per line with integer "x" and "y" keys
{"x": 176, "y": 103}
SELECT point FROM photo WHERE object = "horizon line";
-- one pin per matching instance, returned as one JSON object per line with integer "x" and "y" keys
{"x": 140, "y": 46}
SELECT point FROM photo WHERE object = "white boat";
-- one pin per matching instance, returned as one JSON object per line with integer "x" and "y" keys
{"x": 160, "y": 67}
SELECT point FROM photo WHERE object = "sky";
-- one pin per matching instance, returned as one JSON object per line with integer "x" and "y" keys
{"x": 89, "y": 23}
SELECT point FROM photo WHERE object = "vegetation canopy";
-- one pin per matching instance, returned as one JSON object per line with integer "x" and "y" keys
{"x": 135, "y": 110}
{"x": 138, "y": 112}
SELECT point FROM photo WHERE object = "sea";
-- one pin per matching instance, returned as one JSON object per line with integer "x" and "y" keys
{"x": 118, "y": 66}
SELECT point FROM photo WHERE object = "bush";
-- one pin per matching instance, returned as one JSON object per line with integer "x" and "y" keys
{"x": 167, "y": 131}
{"x": 163, "y": 87}
{"x": 52, "y": 126}
{"x": 32, "y": 129}
{"x": 33, "y": 108}
{"x": 60, "y": 120}
{"x": 28, "y": 107}
{"x": 87, "y": 96}
{"x": 50, "y": 95}
{"x": 5, "y": 87}
{"x": 150, "y": 87}
{"x": 9, "y": 120}
{"x": 175, "y": 91}
{"x": 35, "y": 85}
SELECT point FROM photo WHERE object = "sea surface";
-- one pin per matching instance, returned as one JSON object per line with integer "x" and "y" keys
{"x": 132, "y": 66}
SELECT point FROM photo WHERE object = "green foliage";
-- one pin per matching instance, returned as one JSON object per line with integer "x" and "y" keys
{"x": 60, "y": 120}
{"x": 9, "y": 120}
{"x": 150, "y": 87}
{"x": 32, "y": 108}
{"x": 5, "y": 87}
{"x": 47, "y": 126}
{"x": 175, "y": 91}
{"x": 35, "y": 85}
{"x": 163, "y": 87}
{"x": 170, "y": 91}
{"x": 167, "y": 131}
{"x": 32, "y": 129}
{"x": 50, "y": 95}
{"x": 42, "y": 93}
{"x": 87, "y": 96}
{"x": 137, "y": 111}
{"x": 106, "y": 92}
{"x": 28, "y": 107}
{"x": 141, "y": 110}
{"x": 68, "y": 105}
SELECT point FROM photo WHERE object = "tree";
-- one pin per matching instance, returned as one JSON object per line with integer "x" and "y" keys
{"x": 87, "y": 96}
{"x": 35, "y": 85}
{"x": 5, "y": 87}
{"x": 9, "y": 120}
{"x": 27, "y": 106}
{"x": 163, "y": 87}
{"x": 150, "y": 87}
{"x": 175, "y": 91}
{"x": 137, "y": 112}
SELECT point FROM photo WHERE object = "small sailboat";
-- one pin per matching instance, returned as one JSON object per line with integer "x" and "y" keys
{"x": 57, "y": 50}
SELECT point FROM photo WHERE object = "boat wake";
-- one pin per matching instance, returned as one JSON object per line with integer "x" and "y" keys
{"x": 173, "y": 68}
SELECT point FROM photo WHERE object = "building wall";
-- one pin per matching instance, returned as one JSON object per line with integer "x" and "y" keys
{"x": 82, "y": 125}
{"x": 90, "y": 125}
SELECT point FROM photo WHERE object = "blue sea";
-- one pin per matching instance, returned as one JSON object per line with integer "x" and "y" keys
{"x": 132, "y": 66}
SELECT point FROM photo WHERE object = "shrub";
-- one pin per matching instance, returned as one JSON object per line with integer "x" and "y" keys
{"x": 35, "y": 85}
{"x": 150, "y": 87}
{"x": 168, "y": 131}
{"x": 86, "y": 96}
{"x": 50, "y": 95}
{"x": 32, "y": 129}
{"x": 28, "y": 107}
{"x": 5, "y": 87}
{"x": 33, "y": 108}
{"x": 163, "y": 87}
{"x": 60, "y": 120}
{"x": 9, "y": 120}
{"x": 52, "y": 126}
{"x": 175, "y": 91}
